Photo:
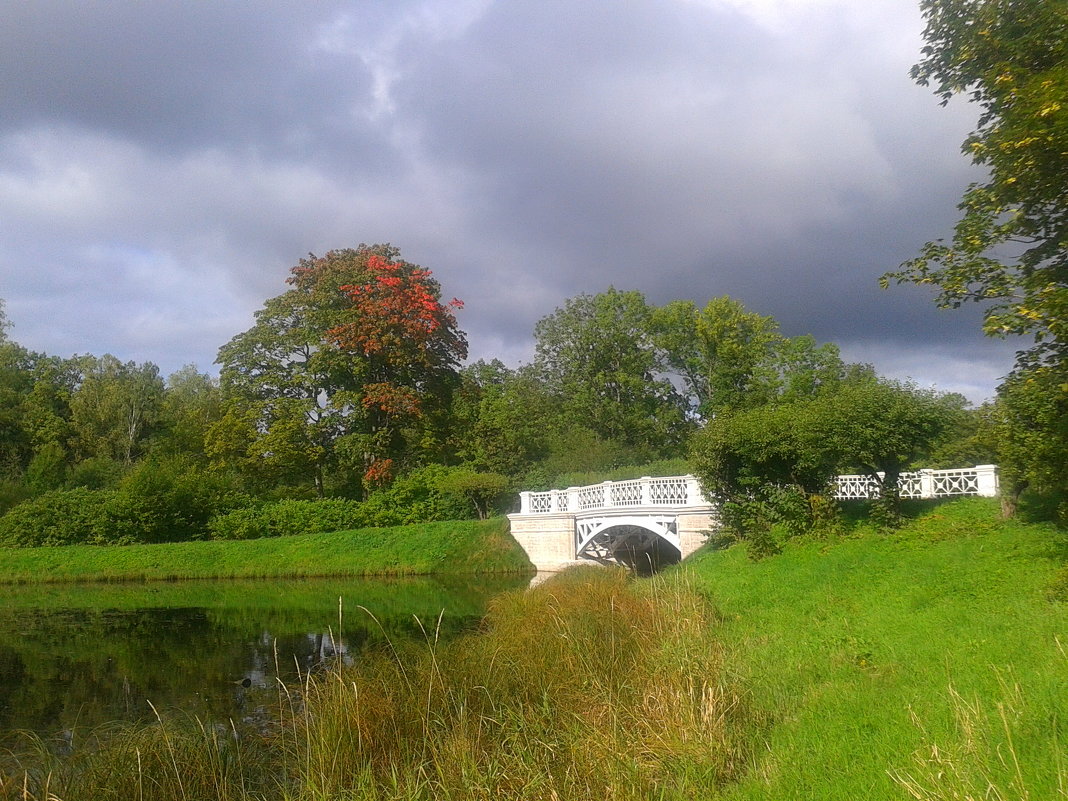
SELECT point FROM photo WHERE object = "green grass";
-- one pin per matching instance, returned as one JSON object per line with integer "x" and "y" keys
{"x": 927, "y": 663}
{"x": 466, "y": 546}
{"x": 588, "y": 686}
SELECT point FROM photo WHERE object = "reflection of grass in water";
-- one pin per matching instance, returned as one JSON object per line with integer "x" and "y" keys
{"x": 60, "y": 666}
{"x": 586, "y": 687}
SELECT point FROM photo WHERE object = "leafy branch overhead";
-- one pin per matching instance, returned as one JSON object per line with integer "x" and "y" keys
{"x": 1010, "y": 247}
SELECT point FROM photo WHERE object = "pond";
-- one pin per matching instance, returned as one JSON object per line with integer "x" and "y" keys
{"x": 76, "y": 656}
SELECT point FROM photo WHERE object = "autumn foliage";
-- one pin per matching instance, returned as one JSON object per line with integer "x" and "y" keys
{"x": 395, "y": 312}
{"x": 362, "y": 350}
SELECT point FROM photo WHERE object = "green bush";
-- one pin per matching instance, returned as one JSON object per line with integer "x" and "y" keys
{"x": 61, "y": 517}
{"x": 421, "y": 496}
{"x": 171, "y": 499}
{"x": 484, "y": 492}
{"x": 288, "y": 517}
{"x": 160, "y": 500}
{"x": 97, "y": 472}
{"x": 12, "y": 493}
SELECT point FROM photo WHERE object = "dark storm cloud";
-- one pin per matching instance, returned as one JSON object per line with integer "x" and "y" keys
{"x": 162, "y": 164}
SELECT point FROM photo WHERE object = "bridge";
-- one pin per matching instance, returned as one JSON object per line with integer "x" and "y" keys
{"x": 646, "y": 523}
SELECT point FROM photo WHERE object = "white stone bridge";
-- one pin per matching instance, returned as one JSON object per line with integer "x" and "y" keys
{"x": 646, "y": 523}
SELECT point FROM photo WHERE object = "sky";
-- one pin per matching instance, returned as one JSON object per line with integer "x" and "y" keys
{"x": 164, "y": 164}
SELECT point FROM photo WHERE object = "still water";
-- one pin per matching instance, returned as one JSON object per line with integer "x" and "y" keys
{"x": 83, "y": 655}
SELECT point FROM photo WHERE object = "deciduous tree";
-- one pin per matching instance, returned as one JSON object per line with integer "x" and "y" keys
{"x": 597, "y": 357}
{"x": 334, "y": 370}
{"x": 1011, "y": 59}
{"x": 115, "y": 408}
{"x": 1009, "y": 251}
{"x": 730, "y": 358}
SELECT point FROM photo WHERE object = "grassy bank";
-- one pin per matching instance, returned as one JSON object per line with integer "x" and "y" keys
{"x": 931, "y": 663}
{"x": 467, "y": 546}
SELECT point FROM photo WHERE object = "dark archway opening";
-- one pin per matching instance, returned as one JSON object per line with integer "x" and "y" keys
{"x": 637, "y": 548}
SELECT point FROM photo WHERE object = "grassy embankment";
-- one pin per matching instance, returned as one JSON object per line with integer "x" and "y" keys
{"x": 929, "y": 663}
{"x": 467, "y": 546}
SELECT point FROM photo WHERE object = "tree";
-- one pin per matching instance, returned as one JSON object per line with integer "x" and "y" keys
{"x": 1012, "y": 60}
{"x": 192, "y": 404}
{"x": 484, "y": 491}
{"x": 16, "y": 383}
{"x": 502, "y": 420}
{"x": 730, "y": 358}
{"x": 115, "y": 408}
{"x": 597, "y": 358}
{"x": 1009, "y": 251}
{"x": 1030, "y": 420}
{"x": 338, "y": 366}
{"x": 882, "y": 427}
{"x": 765, "y": 465}
{"x": 774, "y": 463}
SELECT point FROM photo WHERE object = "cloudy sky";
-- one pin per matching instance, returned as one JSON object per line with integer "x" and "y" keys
{"x": 163, "y": 164}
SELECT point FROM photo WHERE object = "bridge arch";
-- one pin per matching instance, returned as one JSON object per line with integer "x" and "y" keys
{"x": 644, "y": 543}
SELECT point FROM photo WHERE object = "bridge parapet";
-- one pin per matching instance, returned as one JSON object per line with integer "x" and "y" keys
{"x": 685, "y": 491}
{"x": 639, "y": 493}
{"x": 558, "y": 527}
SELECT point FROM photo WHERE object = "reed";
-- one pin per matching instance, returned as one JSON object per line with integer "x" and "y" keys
{"x": 591, "y": 685}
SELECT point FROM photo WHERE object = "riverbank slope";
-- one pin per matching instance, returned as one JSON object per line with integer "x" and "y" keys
{"x": 466, "y": 546}
{"x": 928, "y": 663}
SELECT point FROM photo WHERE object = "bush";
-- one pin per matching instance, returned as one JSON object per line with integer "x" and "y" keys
{"x": 484, "y": 492}
{"x": 171, "y": 499}
{"x": 421, "y": 496}
{"x": 97, "y": 472}
{"x": 61, "y": 517}
{"x": 160, "y": 500}
{"x": 288, "y": 517}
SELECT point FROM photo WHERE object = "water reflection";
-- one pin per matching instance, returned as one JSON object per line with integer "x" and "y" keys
{"x": 81, "y": 656}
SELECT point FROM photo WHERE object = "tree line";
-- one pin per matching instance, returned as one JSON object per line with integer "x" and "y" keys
{"x": 349, "y": 392}
{"x": 347, "y": 403}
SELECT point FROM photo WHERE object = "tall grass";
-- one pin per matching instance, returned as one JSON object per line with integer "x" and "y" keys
{"x": 585, "y": 687}
{"x": 588, "y": 686}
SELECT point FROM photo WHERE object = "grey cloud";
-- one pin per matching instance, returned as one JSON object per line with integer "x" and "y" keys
{"x": 162, "y": 165}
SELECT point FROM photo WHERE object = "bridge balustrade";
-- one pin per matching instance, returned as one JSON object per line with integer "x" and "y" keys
{"x": 685, "y": 491}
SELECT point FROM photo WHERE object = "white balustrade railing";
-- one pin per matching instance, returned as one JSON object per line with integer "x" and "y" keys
{"x": 685, "y": 491}
{"x": 979, "y": 480}
{"x": 639, "y": 493}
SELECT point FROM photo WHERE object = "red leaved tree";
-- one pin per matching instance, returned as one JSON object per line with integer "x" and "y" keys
{"x": 363, "y": 339}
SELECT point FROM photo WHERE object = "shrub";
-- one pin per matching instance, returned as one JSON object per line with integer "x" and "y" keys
{"x": 60, "y": 517}
{"x": 47, "y": 469}
{"x": 288, "y": 517}
{"x": 484, "y": 492}
{"x": 98, "y": 472}
{"x": 171, "y": 499}
{"x": 421, "y": 496}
